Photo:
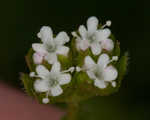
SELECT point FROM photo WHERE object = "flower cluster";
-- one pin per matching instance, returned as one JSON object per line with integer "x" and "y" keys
{"x": 91, "y": 52}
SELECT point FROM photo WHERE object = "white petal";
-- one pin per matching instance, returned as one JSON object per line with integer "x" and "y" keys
{"x": 110, "y": 73}
{"x": 89, "y": 63}
{"x": 51, "y": 58}
{"x": 91, "y": 74}
{"x": 100, "y": 84}
{"x": 41, "y": 71}
{"x": 106, "y": 32}
{"x": 107, "y": 44}
{"x": 82, "y": 44}
{"x": 64, "y": 79}
{"x": 56, "y": 67}
{"x": 103, "y": 60}
{"x": 83, "y": 31}
{"x": 102, "y": 34}
{"x": 63, "y": 50}
{"x": 96, "y": 48}
{"x": 56, "y": 91}
{"x": 92, "y": 24}
{"x": 45, "y": 34}
{"x": 62, "y": 38}
{"x": 37, "y": 58}
{"x": 39, "y": 48}
{"x": 41, "y": 86}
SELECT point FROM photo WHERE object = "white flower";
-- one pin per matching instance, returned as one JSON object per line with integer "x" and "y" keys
{"x": 50, "y": 47}
{"x": 51, "y": 81}
{"x": 96, "y": 39}
{"x": 101, "y": 73}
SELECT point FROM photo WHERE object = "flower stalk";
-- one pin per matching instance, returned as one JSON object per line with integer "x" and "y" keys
{"x": 72, "y": 112}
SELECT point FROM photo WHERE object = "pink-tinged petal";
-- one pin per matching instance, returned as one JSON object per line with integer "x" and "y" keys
{"x": 110, "y": 73}
{"x": 92, "y": 24}
{"x": 38, "y": 58}
{"x": 107, "y": 44}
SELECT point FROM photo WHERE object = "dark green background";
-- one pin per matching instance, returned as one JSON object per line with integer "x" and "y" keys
{"x": 21, "y": 20}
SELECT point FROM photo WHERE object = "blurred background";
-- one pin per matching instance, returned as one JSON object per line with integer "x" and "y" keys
{"x": 21, "y": 20}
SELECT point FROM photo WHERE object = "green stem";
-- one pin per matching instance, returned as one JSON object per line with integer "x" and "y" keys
{"x": 72, "y": 111}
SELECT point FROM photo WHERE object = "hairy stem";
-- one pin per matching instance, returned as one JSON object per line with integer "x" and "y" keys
{"x": 72, "y": 111}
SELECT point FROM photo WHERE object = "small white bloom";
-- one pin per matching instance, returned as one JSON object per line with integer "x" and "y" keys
{"x": 88, "y": 37}
{"x": 50, "y": 82}
{"x": 50, "y": 46}
{"x": 96, "y": 39}
{"x": 101, "y": 73}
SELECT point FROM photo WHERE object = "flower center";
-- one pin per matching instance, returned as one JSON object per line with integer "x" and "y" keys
{"x": 91, "y": 38}
{"x": 98, "y": 73}
{"x": 52, "y": 80}
{"x": 50, "y": 47}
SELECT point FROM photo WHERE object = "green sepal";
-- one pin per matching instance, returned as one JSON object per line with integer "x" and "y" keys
{"x": 29, "y": 60}
{"x": 116, "y": 51}
{"x": 78, "y": 55}
{"x": 65, "y": 61}
{"x": 29, "y": 89}
{"x": 28, "y": 84}
{"x": 122, "y": 67}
